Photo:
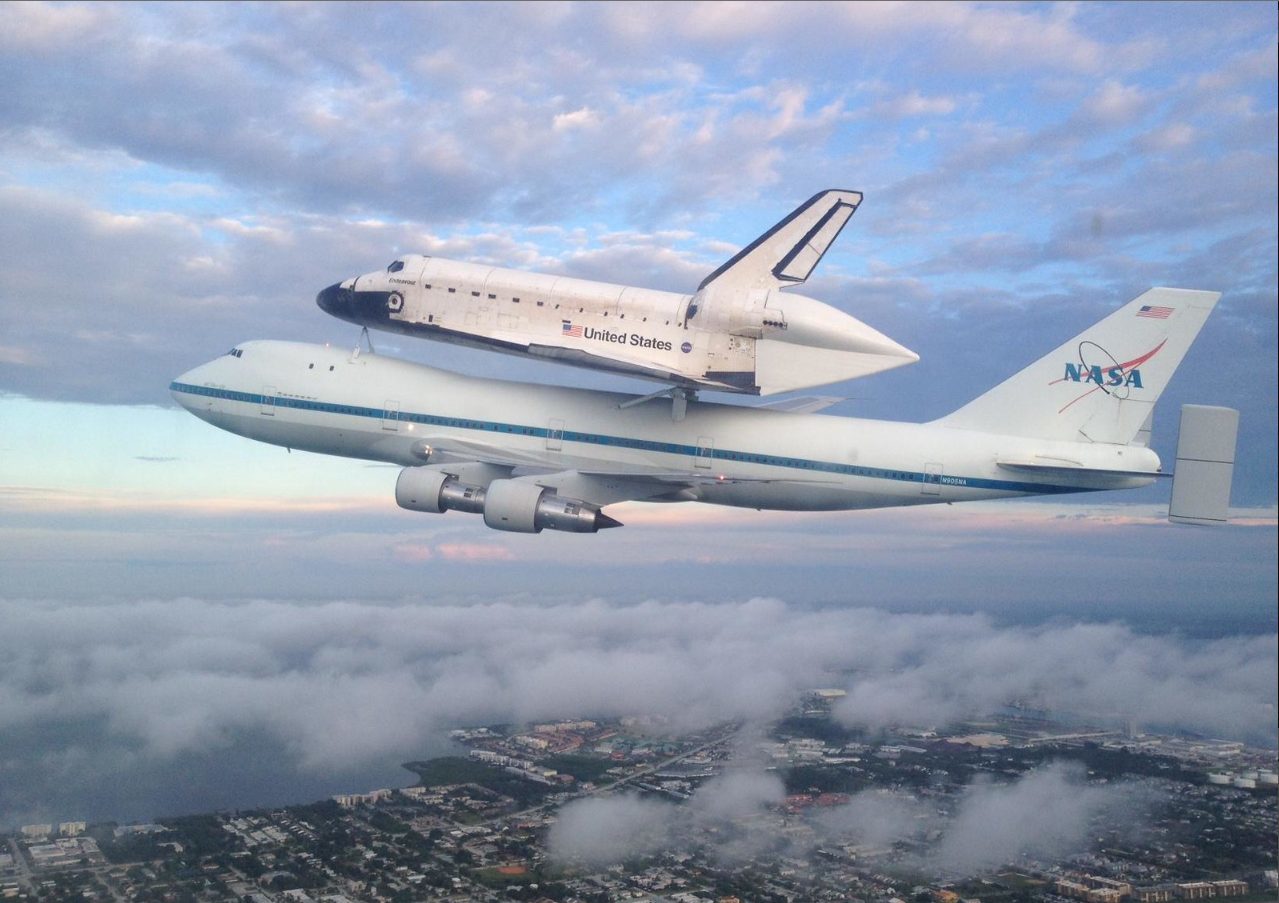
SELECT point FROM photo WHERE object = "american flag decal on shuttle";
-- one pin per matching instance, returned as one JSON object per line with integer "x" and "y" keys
{"x": 567, "y": 328}
{"x": 1154, "y": 312}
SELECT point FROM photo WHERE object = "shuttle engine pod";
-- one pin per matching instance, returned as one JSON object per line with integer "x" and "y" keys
{"x": 739, "y": 332}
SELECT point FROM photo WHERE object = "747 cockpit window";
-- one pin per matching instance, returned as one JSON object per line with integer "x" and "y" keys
{"x": 395, "y": 267}
{"x": 235, "y": 352}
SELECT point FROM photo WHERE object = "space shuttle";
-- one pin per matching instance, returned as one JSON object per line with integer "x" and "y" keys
{"x": 741, "y": 331}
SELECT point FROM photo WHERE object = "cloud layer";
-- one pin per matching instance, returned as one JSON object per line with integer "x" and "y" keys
{"x": 333, "y": 688}
{"x": 1045, "y": 814}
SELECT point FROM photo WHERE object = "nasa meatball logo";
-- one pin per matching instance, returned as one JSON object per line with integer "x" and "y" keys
{"x": 686, "y": 347}
{"x": 1104, "y": 372}
{"x": 395, "y": 302}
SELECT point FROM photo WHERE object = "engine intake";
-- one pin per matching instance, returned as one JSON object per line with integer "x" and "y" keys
{"x": 428, "y": 489}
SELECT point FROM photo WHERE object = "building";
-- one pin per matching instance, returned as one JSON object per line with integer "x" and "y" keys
{"x": 1094, "y": 889}
{"x": 983, "y": 740}
{"x": 1231, "y": 888}
{"x": 351, "y": 800}
{"x": 1075, "y": 890}
{"x": 64, "y": 852}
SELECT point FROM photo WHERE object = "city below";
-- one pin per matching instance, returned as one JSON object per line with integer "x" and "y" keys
{"x": 594, "y": 810}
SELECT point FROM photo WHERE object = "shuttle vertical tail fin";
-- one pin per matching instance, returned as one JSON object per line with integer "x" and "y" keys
{"x": 788, "y": 253}
{"x": 1102, "y": 385}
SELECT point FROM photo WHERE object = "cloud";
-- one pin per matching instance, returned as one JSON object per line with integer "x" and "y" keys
{"x": 577, "y": 119}
{"x": 605, "y": 830}
{"x": 1167, "y": 137}
{"x": 1103, "y": 669}
{"x": 459, "y": 551}
{"x": 877, "y": 818}
{"x": 1046, "y": 814}
{"x": 963, "y": 37}
{"x": 47, "y": 28}
{"x": 339, "y": 686}
{"x": 18, "y": 357}
{"x": 1114, "y": 103}
{"x": 737, "y": 793}
{"x": 914, "y": 104}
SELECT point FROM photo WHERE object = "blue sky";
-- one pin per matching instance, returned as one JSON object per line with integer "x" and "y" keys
{"x": 178, "y": 178}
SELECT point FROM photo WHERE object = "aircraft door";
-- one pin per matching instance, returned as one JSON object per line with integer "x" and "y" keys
{"x": 555, "y": 435}
{"x": 705, "y": 452}
{"x": 268, "y": 401}
{"x": 932, "y": 480}
{"x": 391, "y": 416}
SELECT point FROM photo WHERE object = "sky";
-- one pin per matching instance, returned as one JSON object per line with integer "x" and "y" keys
{"x": 175, "y": 179}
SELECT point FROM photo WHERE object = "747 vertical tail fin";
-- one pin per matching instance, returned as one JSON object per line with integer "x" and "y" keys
{"x": 1102, "y": 385}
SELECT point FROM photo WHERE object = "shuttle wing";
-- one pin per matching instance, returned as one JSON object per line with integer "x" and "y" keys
{"x": 803, "y": 404}
{"x": 787, "y": 253}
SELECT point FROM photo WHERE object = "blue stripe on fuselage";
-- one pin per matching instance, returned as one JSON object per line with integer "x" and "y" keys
{"x": 670, "y": 448}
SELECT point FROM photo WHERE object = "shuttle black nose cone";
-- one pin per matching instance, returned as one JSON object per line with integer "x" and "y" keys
{"x": 337, "y": 301}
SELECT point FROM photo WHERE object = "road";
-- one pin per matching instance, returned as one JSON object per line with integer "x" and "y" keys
{"x": 721, "y": 735}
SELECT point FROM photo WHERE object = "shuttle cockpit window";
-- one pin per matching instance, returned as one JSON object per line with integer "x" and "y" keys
{"x": 235, "y": 352}
{"x": 395, "y": 267}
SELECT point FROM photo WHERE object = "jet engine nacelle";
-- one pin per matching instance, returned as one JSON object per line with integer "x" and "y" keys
{"x": 518, "y": 506}
{"x": 434, "y": 491}
{"x": 524, "y": 507}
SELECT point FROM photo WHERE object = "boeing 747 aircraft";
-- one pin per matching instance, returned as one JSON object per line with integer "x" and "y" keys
{"x": 530, "y": 457}
{"x": 739, "y": 332}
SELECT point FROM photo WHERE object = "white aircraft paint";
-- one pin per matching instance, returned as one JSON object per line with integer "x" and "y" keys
{"x": 528, "y": 456}
{"x": 739, "y": 332}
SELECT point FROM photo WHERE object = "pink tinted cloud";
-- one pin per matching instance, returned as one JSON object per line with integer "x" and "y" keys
{"x": 474, "y": 551}
{"x": 410, "y": 553}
